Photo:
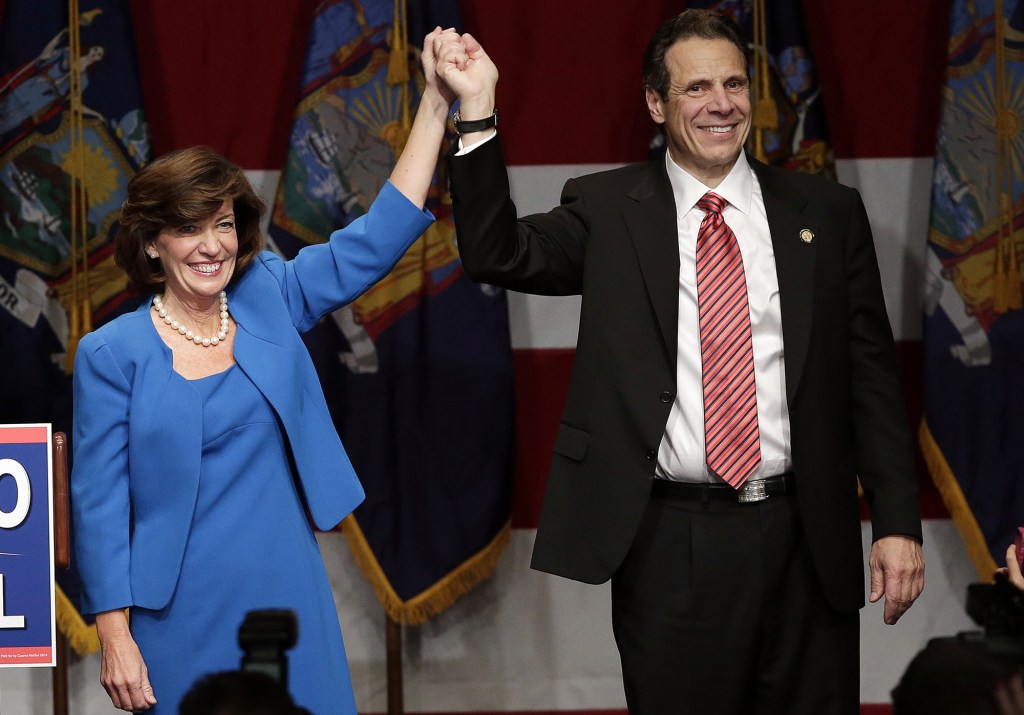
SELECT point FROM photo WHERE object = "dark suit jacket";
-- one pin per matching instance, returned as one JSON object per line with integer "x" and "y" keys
{"x": 613, "y": 239}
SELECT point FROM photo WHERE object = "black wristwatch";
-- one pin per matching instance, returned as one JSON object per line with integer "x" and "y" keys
{"x": 475, "y": 125}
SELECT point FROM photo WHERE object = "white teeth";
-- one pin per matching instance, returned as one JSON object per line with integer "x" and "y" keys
{"x": 205, "y": 267}
{"x": 717, "y": 130}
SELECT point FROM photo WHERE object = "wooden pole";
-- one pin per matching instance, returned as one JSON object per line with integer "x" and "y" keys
{"x": 393, "y": 644}
{"x": 60, "y": 676}
{"x": 61, "y": 559}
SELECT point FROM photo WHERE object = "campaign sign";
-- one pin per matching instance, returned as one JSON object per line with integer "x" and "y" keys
{"x": 26, "y": 547}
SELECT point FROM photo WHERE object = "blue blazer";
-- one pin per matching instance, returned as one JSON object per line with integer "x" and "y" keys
{"x": 138, "y": 439}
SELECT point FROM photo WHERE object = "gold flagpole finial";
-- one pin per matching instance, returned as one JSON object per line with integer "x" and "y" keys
{"x": 397, "y": 134}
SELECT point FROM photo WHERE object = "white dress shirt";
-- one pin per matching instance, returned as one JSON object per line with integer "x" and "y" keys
{"x": 681, "y": 454}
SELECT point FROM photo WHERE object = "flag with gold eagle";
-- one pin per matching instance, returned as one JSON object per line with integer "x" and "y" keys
{"x": 417, "y": 371}
{"x": 973, "y": 323}
{"x": 789, "y": 127}
{"x": 71, "y": 135}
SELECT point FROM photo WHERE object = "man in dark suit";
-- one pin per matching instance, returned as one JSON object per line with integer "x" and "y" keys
{"x": 735, "y": 374}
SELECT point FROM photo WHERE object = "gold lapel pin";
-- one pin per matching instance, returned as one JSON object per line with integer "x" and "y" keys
{"x": 806, "y": 235}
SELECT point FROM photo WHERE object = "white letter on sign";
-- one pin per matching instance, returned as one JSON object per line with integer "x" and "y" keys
{"x": 13, "y": 518}
{"x": 8, "y": 621}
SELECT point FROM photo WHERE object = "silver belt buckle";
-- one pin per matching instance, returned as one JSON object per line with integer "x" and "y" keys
{"x": 752, "y": 491}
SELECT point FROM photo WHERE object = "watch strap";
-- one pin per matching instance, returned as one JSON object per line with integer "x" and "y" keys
{"x": 475, "y": 125}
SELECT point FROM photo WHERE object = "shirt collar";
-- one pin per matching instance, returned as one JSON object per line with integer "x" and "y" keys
{"x": 737, "y": 188}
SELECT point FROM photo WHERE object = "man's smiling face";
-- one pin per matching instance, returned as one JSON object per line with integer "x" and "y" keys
{"x": 706, "y": 113}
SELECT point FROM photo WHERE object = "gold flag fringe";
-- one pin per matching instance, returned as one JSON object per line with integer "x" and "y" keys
{"x": 81, "y": 637}
{"x": 438, "y": 597}
{"x": 956, "y": 503}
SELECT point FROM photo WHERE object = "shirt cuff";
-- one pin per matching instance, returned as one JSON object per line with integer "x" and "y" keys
{"x": 465, "y": 150}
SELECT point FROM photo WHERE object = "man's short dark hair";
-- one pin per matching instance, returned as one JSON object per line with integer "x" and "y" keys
{"x": 703, "y": 24}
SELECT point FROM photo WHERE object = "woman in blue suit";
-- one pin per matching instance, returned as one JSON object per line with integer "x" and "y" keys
{"x": 202, "y": 434}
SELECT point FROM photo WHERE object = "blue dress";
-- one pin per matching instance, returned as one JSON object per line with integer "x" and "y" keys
{"x": 250, "y": 547}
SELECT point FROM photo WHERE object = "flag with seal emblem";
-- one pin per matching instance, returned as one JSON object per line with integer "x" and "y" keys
{"x": 418, "y": 370}
{"x": 72, "y": 134}
{"x": 973, "y": 323}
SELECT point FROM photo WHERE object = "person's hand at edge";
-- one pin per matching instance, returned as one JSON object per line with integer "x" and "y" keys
{"x": 1012, "y": 569}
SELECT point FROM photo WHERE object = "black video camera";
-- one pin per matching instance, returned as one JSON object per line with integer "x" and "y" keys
{"x": 264, "y": 636}
{"x": 999, "y": 609}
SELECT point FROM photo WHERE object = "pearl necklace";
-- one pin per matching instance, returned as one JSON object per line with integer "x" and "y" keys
{"x": 158, "y": 306}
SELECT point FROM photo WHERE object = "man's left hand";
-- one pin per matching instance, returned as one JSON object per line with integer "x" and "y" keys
{"x": 897, "y": 572}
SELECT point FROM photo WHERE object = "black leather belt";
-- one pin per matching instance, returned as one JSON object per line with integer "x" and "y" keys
{"x": 754, "y": 490}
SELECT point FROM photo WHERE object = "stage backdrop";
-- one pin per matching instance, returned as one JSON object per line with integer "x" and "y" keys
{"x": 227, "y": 74}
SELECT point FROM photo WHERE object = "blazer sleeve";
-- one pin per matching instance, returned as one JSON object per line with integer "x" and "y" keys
{"x": 541, "y": 253}
{"x": 323, "y": 277}
{"x": 882, "y": 441}
{"x": 99, "y": 484}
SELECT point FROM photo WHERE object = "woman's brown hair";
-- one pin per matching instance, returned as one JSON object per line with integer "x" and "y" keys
{"x": 183, "y": 187}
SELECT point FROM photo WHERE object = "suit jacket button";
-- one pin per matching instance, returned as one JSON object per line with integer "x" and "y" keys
{"x": 651, "y": 455}
{"x": 666, "y": 397}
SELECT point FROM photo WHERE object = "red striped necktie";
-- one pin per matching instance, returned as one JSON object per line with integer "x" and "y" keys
{"x": 732, "y": 442}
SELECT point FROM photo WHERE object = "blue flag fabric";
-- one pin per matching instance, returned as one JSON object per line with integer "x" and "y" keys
{"x": 789, "y": 128}
{"x": 973, "y": 325}
{"x": 36, "y": 172}
{"x": 417, "y": 371}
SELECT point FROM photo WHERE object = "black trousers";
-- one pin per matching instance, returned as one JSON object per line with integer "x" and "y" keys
{"x": 717, "y": 610}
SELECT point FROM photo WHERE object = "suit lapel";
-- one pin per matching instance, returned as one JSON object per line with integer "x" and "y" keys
{"x": 794, "y": 263}
{"x": 651, "y": 220}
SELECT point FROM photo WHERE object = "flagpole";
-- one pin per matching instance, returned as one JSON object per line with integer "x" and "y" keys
{"x": 393, "y": 648}
{"x": 398, "y": 75}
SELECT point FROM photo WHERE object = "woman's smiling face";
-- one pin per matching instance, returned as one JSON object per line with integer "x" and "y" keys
{"x": 198, "y": 258}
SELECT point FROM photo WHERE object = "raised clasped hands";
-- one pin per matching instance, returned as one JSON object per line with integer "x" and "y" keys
{"x": 462, "y": 65}
{"x": 429, "y": 58}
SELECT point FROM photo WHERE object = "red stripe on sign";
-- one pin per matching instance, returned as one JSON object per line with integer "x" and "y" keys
{"x": 31, "y": 655}
{"x": 542, "y": 384}
{"x": 12, "y": 434}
